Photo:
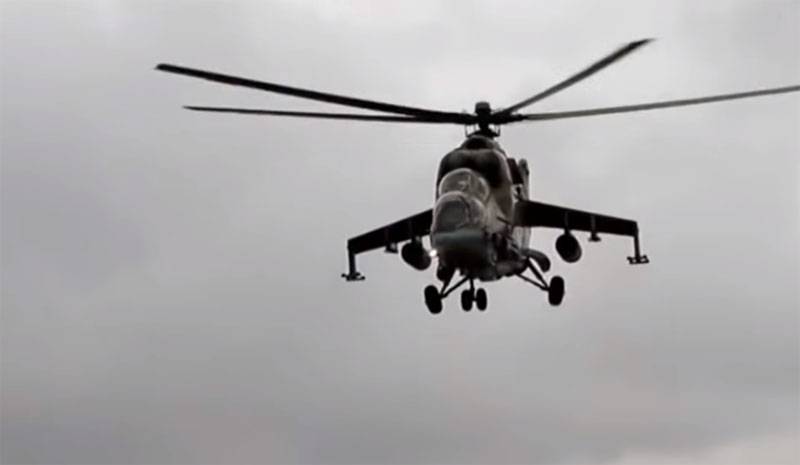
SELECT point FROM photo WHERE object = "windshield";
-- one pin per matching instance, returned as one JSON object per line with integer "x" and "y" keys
{"x": 454, "y": 210}
{"x": 465, "y": 180}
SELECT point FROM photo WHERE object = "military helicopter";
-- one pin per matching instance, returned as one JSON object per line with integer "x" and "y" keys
{"x": 480, "y": 224}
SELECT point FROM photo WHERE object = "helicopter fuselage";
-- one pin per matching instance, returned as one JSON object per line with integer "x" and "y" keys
{"x": 471, "y": 232}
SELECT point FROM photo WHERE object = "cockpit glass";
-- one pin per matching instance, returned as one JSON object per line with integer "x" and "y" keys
{"x": 465, "y": 180}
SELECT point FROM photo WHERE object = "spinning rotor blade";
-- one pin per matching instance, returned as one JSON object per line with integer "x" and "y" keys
{"x": 597, "y": 66}
{"x": 653, "y": 105}
{"x": 312, "y": 94}
{"x": 306, "y": 114}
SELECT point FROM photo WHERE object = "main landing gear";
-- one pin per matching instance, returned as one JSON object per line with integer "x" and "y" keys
{"x": 554, "y": 289}
{"x": 477, "y": 297}
{"x": 434, "y": 296}
{"x": 433, "y": 300}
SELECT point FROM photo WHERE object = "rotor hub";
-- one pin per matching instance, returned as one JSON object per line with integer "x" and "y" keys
{"x": 483, "y": 109}
{"x": 483, "y": 114}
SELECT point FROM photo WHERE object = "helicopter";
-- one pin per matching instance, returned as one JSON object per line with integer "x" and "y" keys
{"x": 480, "y": 224}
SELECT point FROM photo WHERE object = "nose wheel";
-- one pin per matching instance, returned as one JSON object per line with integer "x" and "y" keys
{"x": 481, "y": 299}
{"x": 467, "y": 297}
{"x": 472, "y": 296}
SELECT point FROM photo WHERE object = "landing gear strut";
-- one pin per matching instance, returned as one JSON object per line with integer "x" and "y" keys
{"x": 554, "y": 289}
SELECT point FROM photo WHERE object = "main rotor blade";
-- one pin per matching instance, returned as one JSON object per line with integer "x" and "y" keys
{"x": 595, "y": 67}
{"x": 653, "y": 105}
{"x": 307, "y": 114}
{"x": 309, "y": 94}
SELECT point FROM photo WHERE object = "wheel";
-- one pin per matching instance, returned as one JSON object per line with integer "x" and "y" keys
{"x": 433, "y": 300}
{"x": 555, "y": 292}
{"x": 481, "y": 300}
{"x": 466, "y": 300}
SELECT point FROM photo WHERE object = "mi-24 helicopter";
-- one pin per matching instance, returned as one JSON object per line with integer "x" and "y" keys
{"x": 481, "y": 220}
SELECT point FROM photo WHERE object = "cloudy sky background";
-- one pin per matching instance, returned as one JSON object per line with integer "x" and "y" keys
{"x": 170, "y": 280}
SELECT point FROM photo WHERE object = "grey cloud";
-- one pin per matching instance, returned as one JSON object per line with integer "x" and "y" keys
{"x": 171, "y": 288}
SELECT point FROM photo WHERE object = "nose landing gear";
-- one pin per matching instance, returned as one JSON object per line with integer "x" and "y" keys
{"x": 481, "y": 300}
{"x": 472, "y": 296}
{"x": 434, "y": 296}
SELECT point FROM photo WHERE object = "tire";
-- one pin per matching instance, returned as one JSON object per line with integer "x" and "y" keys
{"x": 466, "y": 300}
{"x": 481, "y": 300}
{"x": 555, "y": 292}
{"x": 433, "y": 300}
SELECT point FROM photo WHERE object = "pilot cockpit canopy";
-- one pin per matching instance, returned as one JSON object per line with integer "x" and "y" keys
{"x": 467, "y": 181}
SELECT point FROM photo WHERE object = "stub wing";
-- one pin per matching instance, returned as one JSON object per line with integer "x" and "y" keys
{"x": 537, "y": 214}
{"x": 386, "y": 237}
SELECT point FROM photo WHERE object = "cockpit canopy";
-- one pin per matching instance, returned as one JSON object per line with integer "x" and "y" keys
{"x": 467, "y": 181}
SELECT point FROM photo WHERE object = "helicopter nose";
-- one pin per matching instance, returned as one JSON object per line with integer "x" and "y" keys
{"x": 465, "y": 248}
{"x": 458, "y": 233}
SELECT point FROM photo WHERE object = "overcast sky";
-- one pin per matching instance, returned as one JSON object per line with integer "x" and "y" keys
{"x": 170, "y": 280}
